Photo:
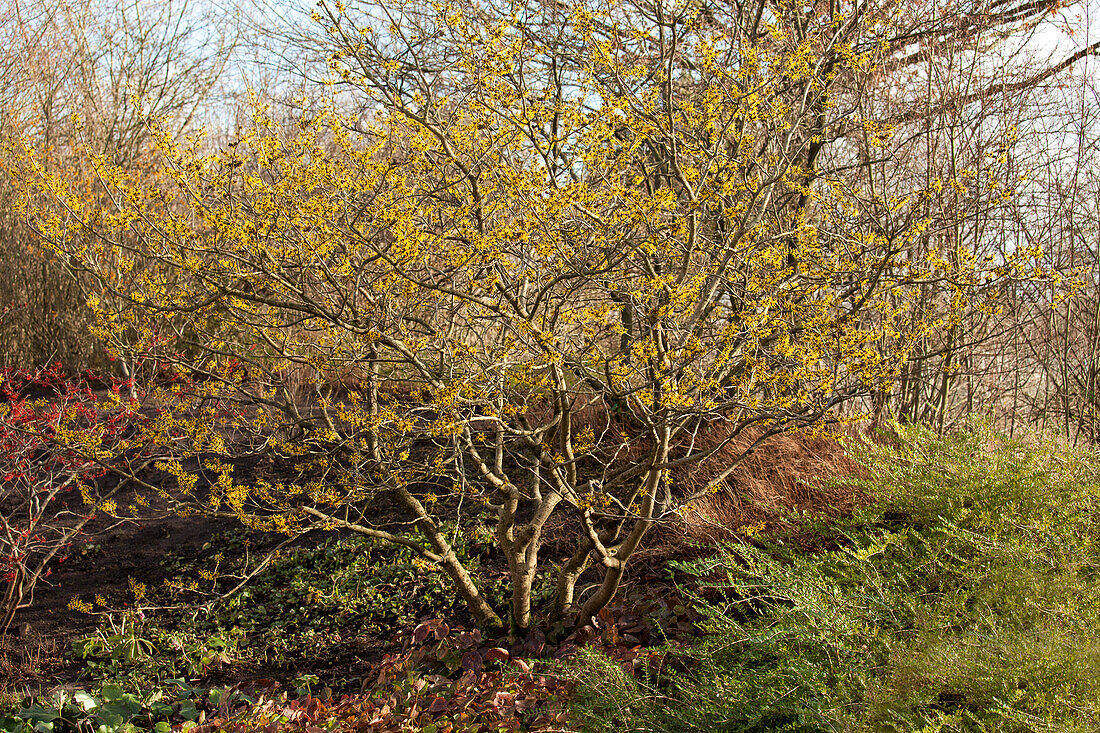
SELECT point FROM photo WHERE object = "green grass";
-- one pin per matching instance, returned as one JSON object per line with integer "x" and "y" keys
{"x": 965, "y": 599}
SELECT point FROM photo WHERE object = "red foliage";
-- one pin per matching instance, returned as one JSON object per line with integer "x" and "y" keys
{"x": 57, "y": 439}
{"x": 447, "y": 680}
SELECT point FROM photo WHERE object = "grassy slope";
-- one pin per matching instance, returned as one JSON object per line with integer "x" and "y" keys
{"x": 965, "y": 599}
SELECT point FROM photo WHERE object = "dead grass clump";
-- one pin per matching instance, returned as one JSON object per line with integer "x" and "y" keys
{"x": 26, "y": 657}
{"x": 782, "y": 480}
{"x": 778, "y": 485}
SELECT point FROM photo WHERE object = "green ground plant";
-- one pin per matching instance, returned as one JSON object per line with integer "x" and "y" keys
{"x": 156, "y": 670}
{"x": 300, "y": 606}
{"x": 113, "y": 708}
{"x": 964, "y": 599}
{"x": 310, "y": 597}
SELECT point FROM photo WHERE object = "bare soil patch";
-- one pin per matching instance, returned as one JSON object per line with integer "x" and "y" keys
{"x": 36, "y": 653}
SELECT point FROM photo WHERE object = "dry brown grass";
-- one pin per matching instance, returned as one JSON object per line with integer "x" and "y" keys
{"x": 779, "y": 485}
{"x": 782, "y": 481}
{"x": 26, "y": 660}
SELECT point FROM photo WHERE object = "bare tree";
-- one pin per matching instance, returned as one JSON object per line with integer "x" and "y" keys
{"x": 84, "y": 77}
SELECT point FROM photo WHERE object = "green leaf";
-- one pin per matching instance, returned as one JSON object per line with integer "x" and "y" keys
{"x": 188, "y": 711}
{"x": 185, "y": 690}
{"x": 118, "y": 711}
{"x": 38, "y": 714}
{"x": 111, "y": 692}
{"x": 12, "y": 724}
{"x": 110, "y": 717}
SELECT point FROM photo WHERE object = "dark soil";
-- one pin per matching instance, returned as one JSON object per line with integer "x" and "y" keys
{"x": 35, "y": 653}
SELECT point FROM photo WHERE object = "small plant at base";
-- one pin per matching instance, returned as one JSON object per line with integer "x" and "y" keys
{"x": 114, "y": 647}
{"x": 113, "y": 708}
{"x": 140, "y": 652}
